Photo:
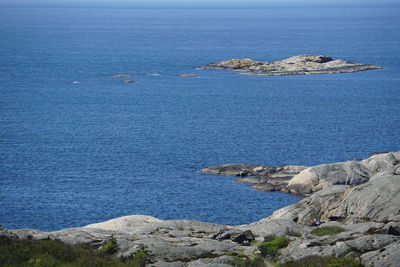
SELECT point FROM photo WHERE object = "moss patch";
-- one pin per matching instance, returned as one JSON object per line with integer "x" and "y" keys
{"x": 327, "y": 230}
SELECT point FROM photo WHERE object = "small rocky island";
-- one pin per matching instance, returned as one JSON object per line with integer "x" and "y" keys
{"x": 297, "y": 65}
{"x": 349, "y": 217}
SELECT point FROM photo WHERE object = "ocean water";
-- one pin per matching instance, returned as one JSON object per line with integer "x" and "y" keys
{"x": 78, "y": 147}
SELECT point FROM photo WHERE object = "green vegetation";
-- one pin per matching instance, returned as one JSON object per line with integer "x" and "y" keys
{"x": 49, "y": 253}
{"x": 327, "y": 230}
{"x": 318, "y": 261}
{"x": 240, "y": 260}
{"x": 272, "y": 245}
{"x": 110, "y": 247}
{"x": 295, "y": 234}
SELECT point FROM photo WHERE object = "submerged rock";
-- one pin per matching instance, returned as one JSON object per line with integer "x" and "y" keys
{"x": 129, "y": 81}
{"x": 187, "y": 75}
{"x": 122, "y": 76}
{"x": 297, "y": 65}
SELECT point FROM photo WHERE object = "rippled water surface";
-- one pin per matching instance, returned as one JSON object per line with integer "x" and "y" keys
{"x": 77, "y": 146}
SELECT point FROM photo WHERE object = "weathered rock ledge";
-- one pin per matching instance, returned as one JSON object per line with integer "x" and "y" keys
{"x": 361, "y": 198}
{"x": 297, "y": 65}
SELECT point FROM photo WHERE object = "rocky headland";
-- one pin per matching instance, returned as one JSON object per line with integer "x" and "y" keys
{"x": 297, "y": 65}
{"x": 355, "y": 204}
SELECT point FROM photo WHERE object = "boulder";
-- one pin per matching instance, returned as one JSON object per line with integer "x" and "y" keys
{"x": 236, "y": 235}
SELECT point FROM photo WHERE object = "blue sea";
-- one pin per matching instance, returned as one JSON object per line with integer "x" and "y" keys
{"x": 78, "y": 147}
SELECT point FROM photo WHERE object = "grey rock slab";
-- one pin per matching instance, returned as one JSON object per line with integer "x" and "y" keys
{"x": 375, "y": 200}
{"x": 371, "y": 242}
{"x": 388, "y": 256}
{"x": 277, "y": 227}
{"x": 166, "y": 248}
{"x": 381, "y": 162}
{"x": 75, "y": 236}
{"x": 194, "y": 227}
{"x": 318, "y": 205}
{"x": 24, "y": 233}
{"x": 215, "y": 262}
{"x": 300, "y": 248}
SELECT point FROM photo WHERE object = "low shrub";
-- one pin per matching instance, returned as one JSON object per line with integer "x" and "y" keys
{"x": 327, "y": 230}
{"x": 110, "y": 247}
{"x": 271, "y": 248}
{"x": 328, "y": 261}
{"x": 43, "y": 253}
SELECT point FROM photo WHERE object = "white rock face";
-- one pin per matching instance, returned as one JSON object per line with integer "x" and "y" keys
{"x": 326, "y": 175}
{"x": 344, "y": 173}
{"x": 125, "y": 224}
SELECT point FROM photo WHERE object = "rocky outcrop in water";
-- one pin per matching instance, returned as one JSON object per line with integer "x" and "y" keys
{"x": 265, "y": 178}
{"x": 357, "y": 202}
{"x": 297, "y": 65}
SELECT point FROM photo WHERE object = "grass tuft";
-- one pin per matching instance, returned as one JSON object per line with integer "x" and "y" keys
{"x": 327, "y": 230}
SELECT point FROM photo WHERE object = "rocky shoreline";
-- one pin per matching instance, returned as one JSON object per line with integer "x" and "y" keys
{"x": 357, "y": 202}
{"x": 297, "y": 65}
